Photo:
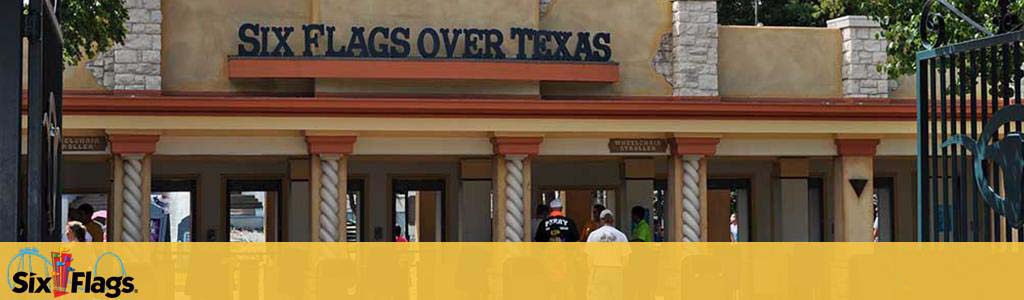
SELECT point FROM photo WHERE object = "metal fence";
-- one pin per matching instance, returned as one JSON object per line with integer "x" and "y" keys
{"x": 969, "y": 139}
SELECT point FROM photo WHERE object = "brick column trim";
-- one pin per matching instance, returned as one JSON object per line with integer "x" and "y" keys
{"x": 857, "y": 147}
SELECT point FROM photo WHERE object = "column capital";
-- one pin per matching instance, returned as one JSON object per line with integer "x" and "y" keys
{"x": 856, "y": 147}
{"x": 517, "y": 145}
{"x": 706, "y": 146}
{"x": 325, "y": 144}
{"x": 133, "y": 143}
{"x": 853, "y": 21}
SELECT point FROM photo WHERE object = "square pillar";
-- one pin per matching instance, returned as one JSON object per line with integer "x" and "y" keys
{"x": 328, "y": 185}
{"x": 695, "y": 48}
{"x": 476, "y": 183}
{"x": 687, "y": 185}
{"x": 863, "y": 51}
{"x": 793, "y": 200}
{"x": 129, "y": 219}
{"x": 854, "y": 168}
{"x": 512, "y": 187}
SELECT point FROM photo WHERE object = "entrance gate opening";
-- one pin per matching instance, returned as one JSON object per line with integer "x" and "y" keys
{"x": 251, "y": 210}
{"x": 172, "y": 211}
{"x": 418, "y": 210}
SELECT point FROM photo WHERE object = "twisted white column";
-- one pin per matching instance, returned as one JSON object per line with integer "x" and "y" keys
{"x": 514, "y": 230}
{"x": 691, "y": 198}
{"x": 329, "y": 198}
{"x": 133, "y": 205}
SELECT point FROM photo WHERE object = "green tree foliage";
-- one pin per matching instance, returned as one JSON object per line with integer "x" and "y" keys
{"x": 900, "y": 20}
{"x": 90, "y": 27}
{"x": 771, "y": 12}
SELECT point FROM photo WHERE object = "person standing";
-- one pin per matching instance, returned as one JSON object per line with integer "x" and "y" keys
{"x": 593, "y": 223}
{"x": 95, "y": 229}
{"x": 399, "y": 237}
{"x": 641, "y": 230}
{"x": 75, "y": 232}
{"x": 556, "y": 227}
{"x": 607, "y": 261}
{"x": 607, "y": 232}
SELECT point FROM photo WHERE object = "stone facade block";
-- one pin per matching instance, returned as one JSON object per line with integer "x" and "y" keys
{"x": 863, "y": 56}
{"x": 695, "y": 48}
{"x": 134, "y": 65}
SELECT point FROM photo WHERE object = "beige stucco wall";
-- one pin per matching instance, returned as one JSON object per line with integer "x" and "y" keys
{"x": 79, "y": 78}
{"x": 501, "y": 15}
{"x": 198, "y": 36}
{"x": 75, "y": 77}
{"x": 907, "y": 88}
{"x": 636, "y": 28}
{"x": 787, "y": 62}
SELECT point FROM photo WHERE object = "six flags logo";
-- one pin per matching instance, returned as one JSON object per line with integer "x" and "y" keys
{"x": 60, "y": 278}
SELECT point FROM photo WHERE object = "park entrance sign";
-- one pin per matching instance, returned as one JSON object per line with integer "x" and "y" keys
{"x": 32, "y": 214}
{"x": 970, "y": 145}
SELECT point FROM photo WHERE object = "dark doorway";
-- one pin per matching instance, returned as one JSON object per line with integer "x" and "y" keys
{"x": 354, "y": 212}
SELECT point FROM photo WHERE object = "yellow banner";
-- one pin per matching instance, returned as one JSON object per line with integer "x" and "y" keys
{"x": 511, "y": 271}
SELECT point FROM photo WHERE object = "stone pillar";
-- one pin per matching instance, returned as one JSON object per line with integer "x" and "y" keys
{"x": 687, "y": 184}
{"x": 854, "y": 214}
{"x": 695, "y": 48}
{"x": 329, "y": 186}
{"x": 134, "y": 65}
{"x": 512, "y": 187}
{"x": 132, "y": 183}
{"x": 793, "y": 200}
{"x": 863, "y": 53}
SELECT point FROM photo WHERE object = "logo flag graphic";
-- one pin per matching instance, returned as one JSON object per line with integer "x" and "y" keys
{"x": 61, "y": 270}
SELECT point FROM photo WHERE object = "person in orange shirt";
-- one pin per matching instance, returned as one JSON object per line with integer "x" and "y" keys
{"x": 594, "y": 223}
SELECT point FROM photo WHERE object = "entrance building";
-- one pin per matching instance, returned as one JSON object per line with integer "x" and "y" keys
{"x": 717, "y": 133}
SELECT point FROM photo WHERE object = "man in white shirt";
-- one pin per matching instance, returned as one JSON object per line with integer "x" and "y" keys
{"x": 607, "y": 232}
{"x": 607, "y": 260}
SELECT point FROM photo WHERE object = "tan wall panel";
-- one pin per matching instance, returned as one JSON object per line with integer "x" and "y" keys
{"x": 775, "y": 147}
{"x": 423, "y": 146}
{"x": 638, "y": 168}
{"x": 476, "y": 169}
{"x": 198, "y": 36}
{"x": 907, "y": 88}
{"x": 779, "y": 62}
{"x": 221, "y": 145}
{"x": 582, "y": 146}
{"x": 793, "y": 167}
{"x": 79, "y": 78}
{"x": 636, "y": 28}
{"x": 897, "y": 147}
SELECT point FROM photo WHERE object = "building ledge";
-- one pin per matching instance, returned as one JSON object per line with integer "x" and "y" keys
{"x": 421, "y": 69}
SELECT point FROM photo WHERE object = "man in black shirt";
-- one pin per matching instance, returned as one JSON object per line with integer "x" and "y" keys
{"x": 556, "y": 227}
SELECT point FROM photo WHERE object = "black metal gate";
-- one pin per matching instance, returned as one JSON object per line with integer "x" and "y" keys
{"x": 969, "y": 133}
{"x": 30, "y": 208}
